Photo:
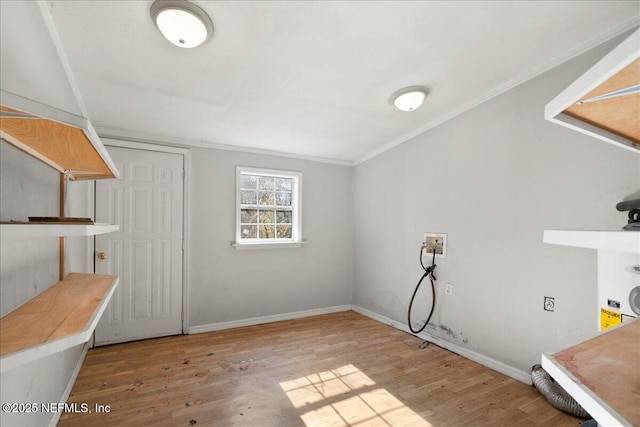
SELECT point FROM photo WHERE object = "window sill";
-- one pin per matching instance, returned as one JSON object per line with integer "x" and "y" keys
{"x": 267, "y": 245}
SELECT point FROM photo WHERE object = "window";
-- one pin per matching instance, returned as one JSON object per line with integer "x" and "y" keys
{"x": 267, "y": 206}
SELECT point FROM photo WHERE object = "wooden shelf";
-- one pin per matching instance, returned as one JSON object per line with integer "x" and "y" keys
{"x": 63, "y": 316}
{"x": 618, "y": 115}
{"x": 617, "y": 241}
{"x": 47, "y": 229}
{"x": 616, "y": 119}
{"x": 64, "y": 141}
{"x": 602, "y": 375}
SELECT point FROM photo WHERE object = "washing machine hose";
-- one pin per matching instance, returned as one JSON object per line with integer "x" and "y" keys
{"x": 428, "y": 272}
{"x": 555, "y": 394}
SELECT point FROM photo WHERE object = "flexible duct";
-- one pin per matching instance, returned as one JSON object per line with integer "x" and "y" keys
{"x": 555, "y": 394}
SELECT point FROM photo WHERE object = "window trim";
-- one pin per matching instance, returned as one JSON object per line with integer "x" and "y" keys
{"x": 296, "y": 211}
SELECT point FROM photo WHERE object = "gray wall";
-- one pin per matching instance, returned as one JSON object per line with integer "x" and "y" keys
{"x": 41, "y": 381}
{"x": 493, "y": 178}
{"x": 28, "y": 187}
{"x": 230, "y": 285}
{"x": 29, "y": 66}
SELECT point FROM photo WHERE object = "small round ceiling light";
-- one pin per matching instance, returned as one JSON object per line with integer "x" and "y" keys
{"x": 409, "y": 98}
{"x": 181, "y": 22}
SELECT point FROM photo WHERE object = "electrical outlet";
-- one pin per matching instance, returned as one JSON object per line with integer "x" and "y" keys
{"x": 435, "y": 242}
{"x": 448, "y": 289}
{"x": 549, "y": 304}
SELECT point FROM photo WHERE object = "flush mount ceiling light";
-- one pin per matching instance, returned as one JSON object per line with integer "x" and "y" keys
{"x": 409, "y": 98}
{"x": 182, "y": 23}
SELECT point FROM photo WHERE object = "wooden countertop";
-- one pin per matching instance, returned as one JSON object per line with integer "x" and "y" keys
{"x": 603, "y": 374}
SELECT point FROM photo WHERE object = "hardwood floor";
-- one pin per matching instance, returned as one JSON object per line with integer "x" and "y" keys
{"x": 340, "y": 369}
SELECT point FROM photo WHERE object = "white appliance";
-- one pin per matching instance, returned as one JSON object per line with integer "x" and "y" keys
{"x": 618, "y": 281}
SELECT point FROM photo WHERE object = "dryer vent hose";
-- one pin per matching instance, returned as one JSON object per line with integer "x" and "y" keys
{"x": 555, "y": 394}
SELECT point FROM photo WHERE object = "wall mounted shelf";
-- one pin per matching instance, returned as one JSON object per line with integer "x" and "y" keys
{"x": 614, "y": 119}
{"x": 616, "y": 241}
{"x": 40, "y": 229}
{"x": 64, "y": 141}
{"x": 63, "y": 316}
{"x": 599, "y": 374}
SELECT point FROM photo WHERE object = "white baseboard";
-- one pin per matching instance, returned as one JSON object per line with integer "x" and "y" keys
{"x": 266, "y": 319}
{"x": 67, "y": 391}
{"x": 496, "y": 365}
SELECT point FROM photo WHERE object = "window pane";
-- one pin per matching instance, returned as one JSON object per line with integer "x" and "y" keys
{"x": 283, "y": 199}
{"x": 283, "y": 231}
{"x": 284, "y": 184}
{"x": 266, "y": 183}
{"x": 267, "y": 217}
{"x": 249, "y": 216}
{"x": 283, "y": 217}
{"x": 267, "y": 231}
{"x": 249, "y": 197}
{"x": 249, "y": 181}
{"x": 266, "y": 204}
{"x": 266, "y": 198}
{"x": 249, "y": 231}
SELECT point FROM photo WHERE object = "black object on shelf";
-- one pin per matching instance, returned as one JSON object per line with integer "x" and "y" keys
{"x": 633, "y": 206}
{"x": 60, "y": 219}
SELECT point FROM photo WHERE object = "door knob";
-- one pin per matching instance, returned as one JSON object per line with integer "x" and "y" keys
{"x": 102, "y": 255}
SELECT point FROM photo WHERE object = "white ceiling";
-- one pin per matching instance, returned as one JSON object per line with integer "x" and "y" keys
{"x": 311, "y": 78}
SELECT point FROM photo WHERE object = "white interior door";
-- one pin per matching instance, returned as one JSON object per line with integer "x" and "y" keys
{"x": 146, "y": 253}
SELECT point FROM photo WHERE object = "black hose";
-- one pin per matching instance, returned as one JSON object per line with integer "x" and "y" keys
{"x": 428, "y": 271}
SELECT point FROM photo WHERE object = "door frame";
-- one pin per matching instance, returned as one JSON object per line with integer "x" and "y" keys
{"x": 186, "y": 195}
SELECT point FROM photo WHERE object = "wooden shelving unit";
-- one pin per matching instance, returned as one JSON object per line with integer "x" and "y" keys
{"x": 602, "y": 374}
{"x": 614, "y": 119}
{"x": 67, "y": 313}
{"x": 42, "y": 229}
{"x": 64, "y": 141}
{"x": 61, "y": 317}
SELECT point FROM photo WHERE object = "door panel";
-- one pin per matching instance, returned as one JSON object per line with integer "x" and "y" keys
{"x": 146, "y": 253}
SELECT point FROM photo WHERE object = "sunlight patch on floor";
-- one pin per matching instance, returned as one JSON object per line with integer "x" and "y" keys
{"x": 347, "y": 397}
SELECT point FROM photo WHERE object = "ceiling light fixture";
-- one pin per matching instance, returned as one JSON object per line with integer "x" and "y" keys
{"x": 182, "y": 23}
{"x": 409, "y": 98}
